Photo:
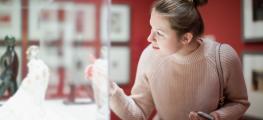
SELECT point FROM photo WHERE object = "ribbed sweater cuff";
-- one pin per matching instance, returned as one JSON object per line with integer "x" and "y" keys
{"x": 117, "y": 96}
{"x": 118, "y": 102}
{"x": 215, "y": 115}
{"x": 218, "y": 115}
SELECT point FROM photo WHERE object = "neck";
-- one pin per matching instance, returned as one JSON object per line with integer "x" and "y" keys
{"x": 189, "y": 48}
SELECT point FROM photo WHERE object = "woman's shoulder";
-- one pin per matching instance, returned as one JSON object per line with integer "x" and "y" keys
{"x": 226, "y": 50}
{"x": 228, "y": 53}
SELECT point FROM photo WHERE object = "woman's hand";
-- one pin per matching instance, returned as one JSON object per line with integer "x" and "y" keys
{"x": 195, "y": 116}
{"x": 94, "y": 71}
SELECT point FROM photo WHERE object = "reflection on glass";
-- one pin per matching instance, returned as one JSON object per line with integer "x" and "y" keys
{"x": 67, "y": 33}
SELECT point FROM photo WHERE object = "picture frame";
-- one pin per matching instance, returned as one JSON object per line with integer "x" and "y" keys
{"x": 75, "y": 79}
{"x": 50, "y": 20}
{"x": 84, "y": 22}
{"x": 119, "y": 23}
{"x": 43, "y": 21}
{"x": 253, "y": 75}
{"x": 81, "y": 60}
{"x": 252, "y": 20}
{"x": 53, "y": 59}
{"x": 10, "y": 18}
{"x": 119, "y": 64}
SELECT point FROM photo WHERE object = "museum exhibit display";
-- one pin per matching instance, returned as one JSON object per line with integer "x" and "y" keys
{"x": 62, "y": 34}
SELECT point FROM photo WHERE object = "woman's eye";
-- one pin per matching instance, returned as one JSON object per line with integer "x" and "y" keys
{"x": 159, "y": 34}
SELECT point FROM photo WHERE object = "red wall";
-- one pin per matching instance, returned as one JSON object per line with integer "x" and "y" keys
{"x": 222, "y": 19}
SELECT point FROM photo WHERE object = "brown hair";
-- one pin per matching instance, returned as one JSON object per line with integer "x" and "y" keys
{"x": 183, "y": 15}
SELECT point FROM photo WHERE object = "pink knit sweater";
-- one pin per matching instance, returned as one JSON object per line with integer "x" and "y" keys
{"x": 176, "y": 85}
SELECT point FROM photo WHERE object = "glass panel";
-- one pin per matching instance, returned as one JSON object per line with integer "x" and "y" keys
{"x": 10, "y": 47}
{"x": 66, "y": 33}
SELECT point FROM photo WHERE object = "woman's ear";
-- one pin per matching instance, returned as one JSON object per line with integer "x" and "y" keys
{"x": 187, "y": 38}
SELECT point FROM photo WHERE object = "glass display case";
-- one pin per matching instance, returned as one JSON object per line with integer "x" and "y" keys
{"x": 67, "y": 33}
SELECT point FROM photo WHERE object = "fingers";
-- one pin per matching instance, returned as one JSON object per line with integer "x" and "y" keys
{"x": 194, "y": 116}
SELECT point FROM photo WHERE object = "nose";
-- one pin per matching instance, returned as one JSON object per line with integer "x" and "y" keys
{"x": 150, "y": 37}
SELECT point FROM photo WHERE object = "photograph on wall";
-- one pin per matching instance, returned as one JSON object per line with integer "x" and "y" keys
{"x": 52, "y": 56}
{"x": 84, "y": 22}
{"x": 119, "y": 23}
{"x": 44, "y": 21}
{"x": 76, "y": 84}
{"x": 81, "y": 60}
{"x": 51, "y": 21}
{"x": 252, "y": 20}
{"x": 120, "y": 64}
{"x": 257, "y": 80}
{"x": 10, "y": 18}
{"x": 253, "y": 74}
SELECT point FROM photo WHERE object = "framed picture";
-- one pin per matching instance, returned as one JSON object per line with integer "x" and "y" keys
{"x": 253, "y": 74}
{"x": 43, "y": 20}
{"x": 74, "y": 73}
{"x": 53, "y": 58}
{"x": 119, "y": 23}
{"x": 252, "y": 20}
{"x": 10, "y": 18}
{"x": 53, "y": 21}
{"x": 81, "y": 61}
{"x": 120, "y": 64}
{"x": 84, "y": 22}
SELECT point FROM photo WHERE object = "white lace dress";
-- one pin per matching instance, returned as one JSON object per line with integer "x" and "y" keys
{"x": 28, "y": 102}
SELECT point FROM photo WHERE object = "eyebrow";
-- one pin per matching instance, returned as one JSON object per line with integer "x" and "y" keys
{"x": 163, "y": 31}
{"x": 158, "y": 28}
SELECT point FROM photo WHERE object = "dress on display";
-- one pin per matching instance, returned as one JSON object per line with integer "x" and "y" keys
{"x": 28, "y": 103}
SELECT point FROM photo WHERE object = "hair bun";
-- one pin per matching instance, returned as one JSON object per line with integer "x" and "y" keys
{"x": 199, "y": 2}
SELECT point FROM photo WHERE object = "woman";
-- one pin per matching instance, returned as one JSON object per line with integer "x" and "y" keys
{"x": 176, "y": 73}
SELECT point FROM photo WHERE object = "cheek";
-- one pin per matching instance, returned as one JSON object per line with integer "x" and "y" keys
{"x": 168, "y": 43}
{"x": 167, "y": 46}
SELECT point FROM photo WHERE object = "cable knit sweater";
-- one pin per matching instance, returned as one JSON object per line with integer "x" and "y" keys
{"x": 176, "y": 85}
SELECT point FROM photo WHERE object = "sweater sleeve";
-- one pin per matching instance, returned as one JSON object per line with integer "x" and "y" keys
{"x": 235, "y": 91}
{"x": 139, "y": 105}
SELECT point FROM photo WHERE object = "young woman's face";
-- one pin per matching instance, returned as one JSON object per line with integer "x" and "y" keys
{"x": 162, "y": 37}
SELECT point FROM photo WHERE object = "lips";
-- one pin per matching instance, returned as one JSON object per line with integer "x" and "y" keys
{"x": 154, "y": 47}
